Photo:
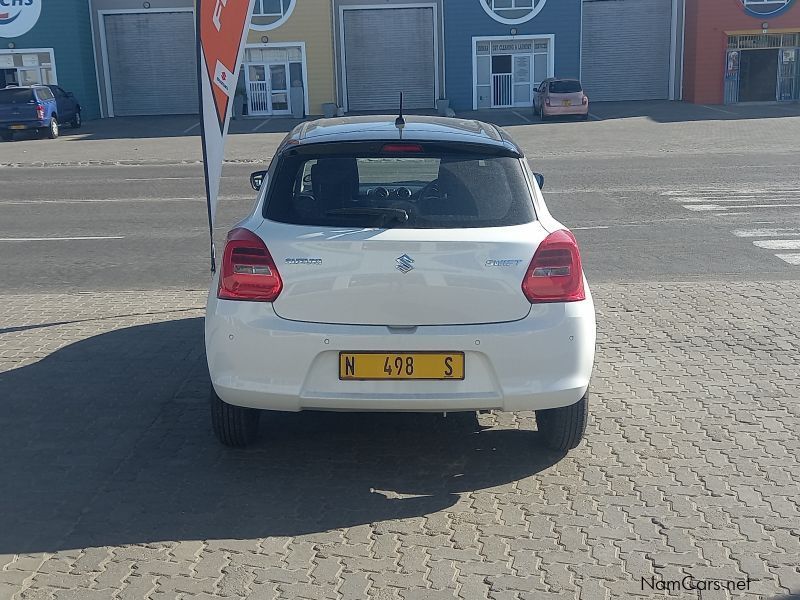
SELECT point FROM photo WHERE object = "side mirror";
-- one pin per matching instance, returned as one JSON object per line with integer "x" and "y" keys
{"x": 258, "y": 179}
{"x": 539, "y": 180}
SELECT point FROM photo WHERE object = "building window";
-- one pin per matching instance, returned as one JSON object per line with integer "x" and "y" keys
{"x": 512, "y": 12}
{"x": 270, "y": 8}
{"x": 269, "y": 14}
{"x": 763, "y": 40}
{"x": 27, "y": 67}
{"x": 501, "y": 5}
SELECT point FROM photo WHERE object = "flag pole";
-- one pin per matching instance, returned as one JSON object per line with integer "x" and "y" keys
{"x": 200, "y": 98}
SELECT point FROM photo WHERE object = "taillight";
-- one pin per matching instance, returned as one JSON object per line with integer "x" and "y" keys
{"x": 555, "y": 273}
{"x": 248, "y": 271}
{"x": 40, "y": 112}
{"x": 547, "y": 101}
{"x": 585, "y": 99}
{"x": 400, "y": 148}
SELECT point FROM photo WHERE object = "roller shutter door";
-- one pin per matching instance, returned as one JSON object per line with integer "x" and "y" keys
{"x": 151, "y": 63}
{"x": 387, "y": 51}
{"x": 626, "y": 49}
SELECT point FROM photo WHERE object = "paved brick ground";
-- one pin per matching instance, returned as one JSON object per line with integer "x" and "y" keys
{"x": 113, "y": 486}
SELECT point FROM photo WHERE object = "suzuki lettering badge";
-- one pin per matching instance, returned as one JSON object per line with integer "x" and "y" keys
{"x": 512, "y": 12}
{"x": 17, "y": 17}
{"x": 766, "y": 8}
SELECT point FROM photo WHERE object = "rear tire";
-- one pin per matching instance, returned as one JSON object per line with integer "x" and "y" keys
{"x": 52, "y": 130}
{"x": 563, "y": 428}
{"x": 234, "y": 426}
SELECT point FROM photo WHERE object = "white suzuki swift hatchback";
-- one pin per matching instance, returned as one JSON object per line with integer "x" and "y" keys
{"x": 400, "y": 266}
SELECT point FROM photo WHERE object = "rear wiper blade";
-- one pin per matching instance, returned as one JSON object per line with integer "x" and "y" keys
{"x": 390, "y": 215}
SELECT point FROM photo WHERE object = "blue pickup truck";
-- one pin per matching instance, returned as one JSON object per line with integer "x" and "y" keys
{"x": 35, "y": 108}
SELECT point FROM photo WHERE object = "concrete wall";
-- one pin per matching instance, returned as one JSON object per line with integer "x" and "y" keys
{"x": 64, "y": 26}
{"x": 708, "y": 24}
{"x": 310, "y": 22}
{"x": 466, "y": 18}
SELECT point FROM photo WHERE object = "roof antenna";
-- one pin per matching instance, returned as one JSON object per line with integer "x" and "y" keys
{"x": 400, "y": 122}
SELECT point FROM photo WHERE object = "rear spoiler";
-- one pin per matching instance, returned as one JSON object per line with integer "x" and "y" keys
{"x": 374, "y": 148}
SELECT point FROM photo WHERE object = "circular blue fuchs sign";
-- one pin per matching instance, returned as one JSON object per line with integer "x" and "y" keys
{"x": 766, "y": 8}
{"x": 17, "y": 17}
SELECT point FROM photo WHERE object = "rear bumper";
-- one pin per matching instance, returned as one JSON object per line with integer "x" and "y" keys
{"x": 554, "y": 111}
{"x": 23, "y": 125}
{"x": 259, "y": 360}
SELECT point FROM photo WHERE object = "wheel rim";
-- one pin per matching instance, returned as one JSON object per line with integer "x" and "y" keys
{"x": 54, "y": 126}
{"x": 78, "y": 118}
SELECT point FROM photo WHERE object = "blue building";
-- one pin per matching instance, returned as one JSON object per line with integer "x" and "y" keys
{"x": 49, "y": 43}
{"x": 498, "y": 51}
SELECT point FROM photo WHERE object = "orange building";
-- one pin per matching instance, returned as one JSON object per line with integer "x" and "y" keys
{"x": 741, "y": 51}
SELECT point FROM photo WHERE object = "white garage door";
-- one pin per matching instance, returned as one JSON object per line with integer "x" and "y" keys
{"x": 388, "y": 51}
{"x": 151, "y": 63}
{"x": 626, "y": 48}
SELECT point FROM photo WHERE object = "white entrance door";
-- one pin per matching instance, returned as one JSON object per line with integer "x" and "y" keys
{"x": 279, "y": 88}
{"x": 267, "y": 88}
{"x": 502, "y": 81}
{"x": 257, "y": 89}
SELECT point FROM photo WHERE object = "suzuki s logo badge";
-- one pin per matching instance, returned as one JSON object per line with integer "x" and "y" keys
{"x": 404, "y": 263}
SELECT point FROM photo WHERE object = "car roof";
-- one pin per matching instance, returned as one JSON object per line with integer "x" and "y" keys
{"x": 383, "y": 128}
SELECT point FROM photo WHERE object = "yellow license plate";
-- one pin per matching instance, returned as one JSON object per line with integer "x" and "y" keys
{"x": 566, "y": 102}
{"x": 18, "y": 127}
{"x": 373, "y": 366}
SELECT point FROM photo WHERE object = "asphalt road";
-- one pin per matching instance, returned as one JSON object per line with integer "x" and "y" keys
{"x": 641, "y": 213}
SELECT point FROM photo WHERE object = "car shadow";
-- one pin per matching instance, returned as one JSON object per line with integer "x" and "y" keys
{"x": 107, "y": 441}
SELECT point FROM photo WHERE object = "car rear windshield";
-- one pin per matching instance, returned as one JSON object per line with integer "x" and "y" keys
{"x": 10, "y": 96}
{"x": 565, "y": 87}
{"x": 407, "y": 186}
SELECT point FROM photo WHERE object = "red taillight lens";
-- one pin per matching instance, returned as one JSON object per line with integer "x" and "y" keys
{"x": 555, "y": 273}
{"x": 40, "y": 112}
{"x": 248, "y": 271}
